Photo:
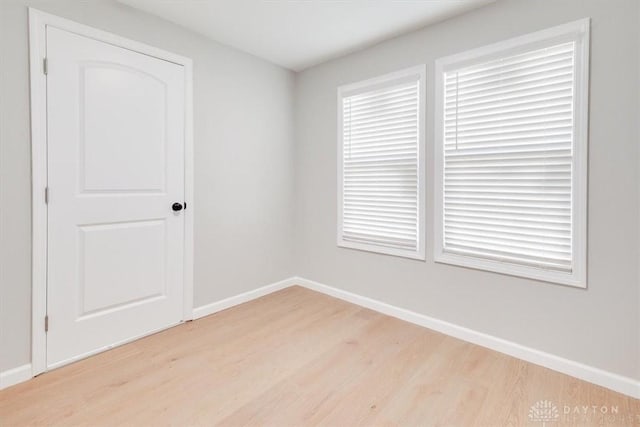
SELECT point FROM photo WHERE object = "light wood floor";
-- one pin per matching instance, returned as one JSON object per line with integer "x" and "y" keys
{"x": 297, "y": 358}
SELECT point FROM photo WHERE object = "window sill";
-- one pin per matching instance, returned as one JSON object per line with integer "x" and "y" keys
{"x": 573, "y": 279}
{"x": 383, "y": 250}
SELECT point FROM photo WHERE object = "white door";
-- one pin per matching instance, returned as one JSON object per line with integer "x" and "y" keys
{"x": 115, "y": 169}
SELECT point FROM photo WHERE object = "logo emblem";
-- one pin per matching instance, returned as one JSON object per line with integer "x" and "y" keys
{"x": 544, "y": 411}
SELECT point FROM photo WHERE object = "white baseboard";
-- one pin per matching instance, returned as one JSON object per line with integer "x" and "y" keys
{"x": 15, "y": 376}
{"x": 619, "y": 383}
{"x": 615, "y": 382}
{"x": 217, "y": 306}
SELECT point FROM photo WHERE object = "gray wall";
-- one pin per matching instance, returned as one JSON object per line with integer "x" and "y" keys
{"x": 243, "y": 161}
{"x": 598, "y": 326}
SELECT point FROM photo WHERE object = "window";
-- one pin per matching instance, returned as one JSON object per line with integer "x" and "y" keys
{"x": 511, "y": 156}
{"x": 381, "y": 164}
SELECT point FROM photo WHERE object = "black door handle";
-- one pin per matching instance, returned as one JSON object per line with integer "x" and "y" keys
{"x": 177, "y": 207}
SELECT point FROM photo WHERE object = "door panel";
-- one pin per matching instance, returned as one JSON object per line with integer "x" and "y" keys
{"x": 135, "y": 273}
{"x": 110, "y": 96}
{"x": 115, "y": 167}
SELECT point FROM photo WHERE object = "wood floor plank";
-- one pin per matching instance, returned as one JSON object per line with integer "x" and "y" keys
{"x": 297, "y": 357}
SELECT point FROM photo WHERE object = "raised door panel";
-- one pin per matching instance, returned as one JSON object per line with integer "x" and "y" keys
{"x": 123, "y": 123}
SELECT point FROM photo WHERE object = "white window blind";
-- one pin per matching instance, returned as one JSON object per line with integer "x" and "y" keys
{"x": 380, "y": 178}
{"x": 509, "y": 141}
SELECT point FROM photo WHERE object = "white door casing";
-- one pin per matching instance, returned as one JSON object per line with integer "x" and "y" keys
{"x": 118, "y": 258}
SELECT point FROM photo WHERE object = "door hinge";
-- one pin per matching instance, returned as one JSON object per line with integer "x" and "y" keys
{"x": 46, "y": 195}
{"x": 45, "y": 66}
{"x": 46, "y": 323}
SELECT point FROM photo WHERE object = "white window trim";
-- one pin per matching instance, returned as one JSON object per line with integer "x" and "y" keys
{"x": 367, "y": 85}
{"x": 577, "y": 31}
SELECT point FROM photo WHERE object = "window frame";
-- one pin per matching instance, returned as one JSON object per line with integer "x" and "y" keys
{"x": 578, "y": 32}
{"x": 409, "y": 74}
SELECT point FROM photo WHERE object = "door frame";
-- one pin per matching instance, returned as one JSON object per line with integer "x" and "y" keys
{"x": 38, "y": 22}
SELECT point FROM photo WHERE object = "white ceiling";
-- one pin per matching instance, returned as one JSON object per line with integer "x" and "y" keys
{"x": 297, "y": 34}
